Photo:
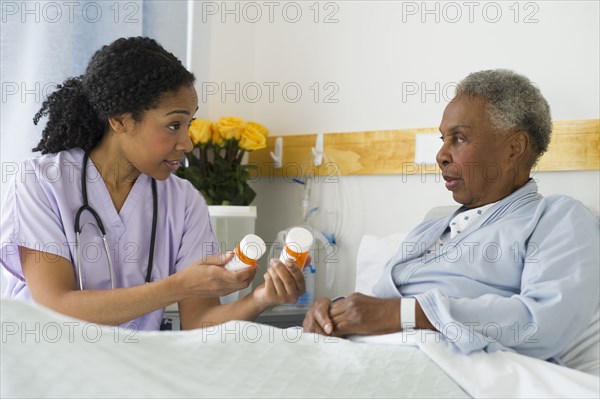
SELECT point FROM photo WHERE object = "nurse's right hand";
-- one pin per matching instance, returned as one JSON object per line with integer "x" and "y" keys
{"x": 209, "y": 277}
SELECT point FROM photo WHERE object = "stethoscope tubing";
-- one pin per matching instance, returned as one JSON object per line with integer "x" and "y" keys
{"x": 102, "y": 232}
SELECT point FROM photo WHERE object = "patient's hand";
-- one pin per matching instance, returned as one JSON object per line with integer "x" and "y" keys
{"x": 317, "y": 318}
{"x": 284, "y": 283}
{"x": 356, "y": 314}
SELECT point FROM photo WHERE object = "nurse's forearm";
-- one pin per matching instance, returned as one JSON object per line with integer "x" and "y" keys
{"x": 51, "y": 281}
{"x": 118, "y": 306}
{"x": 246, "y": 308}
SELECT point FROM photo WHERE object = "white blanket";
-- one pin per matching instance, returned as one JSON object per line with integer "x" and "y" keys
{"x": 497, "y": 374}
{"x": 45, "y": 354}
{"x": 48, "y": 355}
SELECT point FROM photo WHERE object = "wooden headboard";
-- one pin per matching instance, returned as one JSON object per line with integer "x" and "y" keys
{"x": 575, "y": 145}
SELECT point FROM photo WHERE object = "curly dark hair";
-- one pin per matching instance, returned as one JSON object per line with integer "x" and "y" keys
{"x": 127, "y": 76}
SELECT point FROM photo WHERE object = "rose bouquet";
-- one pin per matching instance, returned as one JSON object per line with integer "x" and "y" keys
{"x": 215, "y": 165}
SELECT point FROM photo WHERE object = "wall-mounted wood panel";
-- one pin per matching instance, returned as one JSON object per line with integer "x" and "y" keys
{"x": 575, "y": 145}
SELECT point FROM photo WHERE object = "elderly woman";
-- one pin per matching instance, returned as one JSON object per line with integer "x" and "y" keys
{"x": 510, "y": 269}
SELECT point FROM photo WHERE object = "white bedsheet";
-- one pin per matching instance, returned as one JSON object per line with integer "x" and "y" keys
{"x": 498, "y": 374}
{"x": 44, "y": 354}
{"x": 48, "y": 355}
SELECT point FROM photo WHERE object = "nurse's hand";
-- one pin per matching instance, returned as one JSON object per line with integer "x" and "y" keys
{"x": 209, "y": 277}
{"x": 284, "y": 283}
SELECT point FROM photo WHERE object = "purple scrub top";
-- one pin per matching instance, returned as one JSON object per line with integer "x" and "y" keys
{"x": 39, "y": 213}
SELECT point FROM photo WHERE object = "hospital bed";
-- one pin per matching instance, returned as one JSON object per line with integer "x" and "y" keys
{"x": 45, "y": 354}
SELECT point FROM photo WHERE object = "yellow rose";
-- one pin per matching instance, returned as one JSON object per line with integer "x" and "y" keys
{"x": 217, "y": 139}
{"x": 200, "y": 131}
{"x": 254, "y": 137}
{"x": 231, "y": 127}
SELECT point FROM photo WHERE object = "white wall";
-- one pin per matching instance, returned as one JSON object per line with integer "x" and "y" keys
{"x": 367, "y": 57}
{"x": 374, "y": 57}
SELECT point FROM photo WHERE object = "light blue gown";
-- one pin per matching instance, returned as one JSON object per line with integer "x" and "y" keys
{"x": 523, "y": 277}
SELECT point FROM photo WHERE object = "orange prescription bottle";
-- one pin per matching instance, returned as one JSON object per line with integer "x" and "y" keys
{"x": 247, "y": 252}
{"x": 298, "y": 241}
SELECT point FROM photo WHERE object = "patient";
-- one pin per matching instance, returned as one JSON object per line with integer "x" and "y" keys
{"x": 510, "y": 269}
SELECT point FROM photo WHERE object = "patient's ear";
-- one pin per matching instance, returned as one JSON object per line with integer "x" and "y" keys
{"x": 519, "y": 147}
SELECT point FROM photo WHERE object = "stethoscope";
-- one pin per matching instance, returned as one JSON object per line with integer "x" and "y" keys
{"x": 102, "y": 232}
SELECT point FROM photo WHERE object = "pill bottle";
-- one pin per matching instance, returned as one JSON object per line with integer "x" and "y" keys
{"x": 247, "y": 252}
{"x": 298, "y": 241}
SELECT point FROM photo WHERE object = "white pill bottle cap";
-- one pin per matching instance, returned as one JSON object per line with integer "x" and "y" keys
{"x": 253, "y": 247}
{"x": 248, "y": 251}
{"x": 299, "y": 239}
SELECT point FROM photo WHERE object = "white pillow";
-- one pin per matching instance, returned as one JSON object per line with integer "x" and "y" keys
{"x": 373, "y": 254}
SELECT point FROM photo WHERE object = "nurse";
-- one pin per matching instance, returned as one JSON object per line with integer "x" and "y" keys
{"x": 113, "y": 138}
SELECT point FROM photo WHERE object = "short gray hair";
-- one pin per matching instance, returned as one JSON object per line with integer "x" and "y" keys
{"x": 514, "y": 103}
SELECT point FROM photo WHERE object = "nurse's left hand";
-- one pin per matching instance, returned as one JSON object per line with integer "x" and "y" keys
{"x": 284, "y": 283}
{"x": 365, "y": 315}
